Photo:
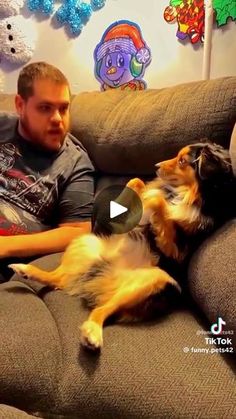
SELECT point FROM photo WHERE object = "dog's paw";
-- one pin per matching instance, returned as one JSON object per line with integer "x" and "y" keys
{"x": 91, "y": 335}
{"x": 136, "y": 184}
{"x": 20, "y": 269}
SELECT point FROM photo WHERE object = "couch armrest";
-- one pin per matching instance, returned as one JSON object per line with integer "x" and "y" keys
{"x": 212, "y": 274}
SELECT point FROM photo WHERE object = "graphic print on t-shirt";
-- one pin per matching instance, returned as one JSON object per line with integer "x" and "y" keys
{"x": 28, "y": 193}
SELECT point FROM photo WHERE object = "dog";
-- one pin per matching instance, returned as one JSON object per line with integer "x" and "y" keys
{"x": 120, "y": 274}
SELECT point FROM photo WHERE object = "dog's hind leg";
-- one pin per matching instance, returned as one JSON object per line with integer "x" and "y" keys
{"x": 136, "y": 287}
{"x": 54, "y": 278}
{"x": 79, "y": 255}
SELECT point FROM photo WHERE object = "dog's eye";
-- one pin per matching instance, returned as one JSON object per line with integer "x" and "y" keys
{"x": 182, "y": 162}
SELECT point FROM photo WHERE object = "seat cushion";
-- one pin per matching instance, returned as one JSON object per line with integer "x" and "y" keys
{"x": 143, "y": 370}
{"x": 30, "y": 352}
{"x": 212, "y": 278}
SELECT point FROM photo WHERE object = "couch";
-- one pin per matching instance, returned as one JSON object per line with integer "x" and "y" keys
{"x": 157, "y": 369}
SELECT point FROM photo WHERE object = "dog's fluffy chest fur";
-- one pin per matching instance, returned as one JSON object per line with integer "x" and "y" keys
{"x": 131, "y": 250}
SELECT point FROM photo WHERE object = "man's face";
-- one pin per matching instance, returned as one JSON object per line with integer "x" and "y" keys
{"x": 44, "y": 117}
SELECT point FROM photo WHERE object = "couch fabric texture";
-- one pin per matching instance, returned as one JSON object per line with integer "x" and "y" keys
{"x": 144, "y": 370}
{"x": 128, "y": 132}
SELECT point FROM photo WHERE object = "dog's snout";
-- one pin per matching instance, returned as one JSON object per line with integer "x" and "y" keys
{"x": 166, "y": 167}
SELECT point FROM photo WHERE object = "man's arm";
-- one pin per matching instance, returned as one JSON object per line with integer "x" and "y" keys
{"x": 51, "y": 241}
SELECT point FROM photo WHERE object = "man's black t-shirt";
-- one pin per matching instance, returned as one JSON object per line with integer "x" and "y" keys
{"x": 39, "y": 190}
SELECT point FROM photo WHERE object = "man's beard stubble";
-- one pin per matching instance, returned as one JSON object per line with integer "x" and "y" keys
{"x": 34, "y": 138}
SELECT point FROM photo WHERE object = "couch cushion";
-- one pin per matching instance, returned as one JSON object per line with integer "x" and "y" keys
{"x": 212, "y": 277}
{"x": 128, "y": 132}
{"x": 30, "y": 349}
{"x": 142, "y": 371}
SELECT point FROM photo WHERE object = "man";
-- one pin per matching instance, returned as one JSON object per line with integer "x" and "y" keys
{"x": 46, "y": 177}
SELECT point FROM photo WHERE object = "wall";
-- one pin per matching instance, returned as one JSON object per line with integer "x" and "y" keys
{"x": 172, "y": 61}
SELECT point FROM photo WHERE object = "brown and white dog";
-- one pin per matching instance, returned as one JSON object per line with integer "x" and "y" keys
{"x": 119, "y": 274}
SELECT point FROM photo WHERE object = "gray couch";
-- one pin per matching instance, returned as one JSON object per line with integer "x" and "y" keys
{"x": 145, "y": 370}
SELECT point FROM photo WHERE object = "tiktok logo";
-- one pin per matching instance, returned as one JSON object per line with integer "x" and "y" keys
{"x": 216, "y": 328}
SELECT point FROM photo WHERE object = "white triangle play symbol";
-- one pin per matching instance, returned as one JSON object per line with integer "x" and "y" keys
{"x": 116, "y": 209}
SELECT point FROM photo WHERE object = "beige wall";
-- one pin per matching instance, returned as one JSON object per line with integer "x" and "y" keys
{"x": 172, "y": 62}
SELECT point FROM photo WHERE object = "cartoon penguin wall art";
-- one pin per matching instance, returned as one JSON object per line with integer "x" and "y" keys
{"x": 121, "y": 57}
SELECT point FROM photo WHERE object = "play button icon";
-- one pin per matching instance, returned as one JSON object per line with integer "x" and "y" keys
{"x": 117, "y": 209}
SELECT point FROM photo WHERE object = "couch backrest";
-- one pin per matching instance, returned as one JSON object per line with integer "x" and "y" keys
{"x": 7, "y": 102}
{"x": 128, "y": 132}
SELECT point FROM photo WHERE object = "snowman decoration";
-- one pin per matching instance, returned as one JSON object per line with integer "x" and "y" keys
{"x": 17, "y": 40}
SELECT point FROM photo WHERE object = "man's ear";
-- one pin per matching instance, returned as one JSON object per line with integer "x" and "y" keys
{"x": 19, "y": 104}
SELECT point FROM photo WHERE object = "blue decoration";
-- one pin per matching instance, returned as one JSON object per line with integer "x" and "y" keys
{"x": 68, "y": 14}
{"x": 45, "y": 6}
{"x": 64, "y": 12}
{"x": 97, "y": 4}
{"x": 84, "y": 10}
{"x": 73, "y": 13}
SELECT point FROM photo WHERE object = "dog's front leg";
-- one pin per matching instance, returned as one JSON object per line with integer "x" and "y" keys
{"x": 137, "y": 185}
{"x": 126, "y": 198}
{"x": 163, "y": 227}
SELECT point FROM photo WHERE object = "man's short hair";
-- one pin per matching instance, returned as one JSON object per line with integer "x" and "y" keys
{"x": 38, "y": 71}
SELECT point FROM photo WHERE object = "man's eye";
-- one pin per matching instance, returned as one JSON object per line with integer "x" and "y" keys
{"x": 64, "y": 109}
{"x": 44, "y": 108}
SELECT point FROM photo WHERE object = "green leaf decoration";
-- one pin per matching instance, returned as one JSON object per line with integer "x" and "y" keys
{"x": 224, "y": 9}
{"x": 176, "y": 3}
{"x": 232, "y": 10}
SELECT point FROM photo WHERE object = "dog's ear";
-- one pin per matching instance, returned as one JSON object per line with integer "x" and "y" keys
{"x": 213, "y": 162}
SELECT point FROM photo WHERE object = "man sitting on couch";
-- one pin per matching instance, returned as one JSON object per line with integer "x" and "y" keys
{"x": 46, "y": 177}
